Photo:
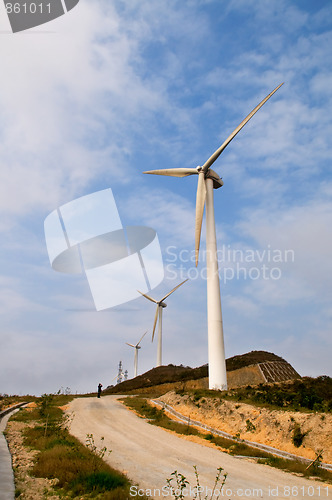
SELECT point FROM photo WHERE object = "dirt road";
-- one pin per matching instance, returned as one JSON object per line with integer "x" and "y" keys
{"x": 149, "y": 455}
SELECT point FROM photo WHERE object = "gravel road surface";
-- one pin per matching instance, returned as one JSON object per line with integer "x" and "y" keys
{"x": 149, "y": 454}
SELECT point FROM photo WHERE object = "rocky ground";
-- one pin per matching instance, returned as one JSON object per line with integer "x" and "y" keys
{"x": 23, "y": 459}
{"x": 272, "y": 427}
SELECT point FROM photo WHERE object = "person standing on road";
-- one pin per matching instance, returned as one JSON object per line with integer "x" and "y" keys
{"x": 99, "y": 390}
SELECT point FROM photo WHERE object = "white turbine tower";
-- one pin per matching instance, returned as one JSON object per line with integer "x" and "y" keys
{"x": 159, "y": 315}
{"x": 207, "y": 180}
{"x": 136, "y": 347}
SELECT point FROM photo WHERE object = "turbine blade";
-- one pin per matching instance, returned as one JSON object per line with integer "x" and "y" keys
{"x": 200, "y": 202}
{"x": 173, "y": 172}
{"x": 148, "y": 297}
{"x": 131, "y": 345}
{"x": 138, "y": 343}
{"x": 218, "y": 152}
{"x": 173, "y": 290}
{"x": 155, "y": 321}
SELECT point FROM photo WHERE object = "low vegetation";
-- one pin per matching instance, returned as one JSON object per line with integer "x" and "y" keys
{"x": 298, "y": 467}
{"x": 7, "y": 401}
{"x": 78, "y": 470}
{"x": 306, "y": 394}
{"x": 298, "y": 436}
{"x": 158, "y": 417}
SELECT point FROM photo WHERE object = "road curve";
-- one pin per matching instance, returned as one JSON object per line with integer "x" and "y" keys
{"x": 149, "y": 454}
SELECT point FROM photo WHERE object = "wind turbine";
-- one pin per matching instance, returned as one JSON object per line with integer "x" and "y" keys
{"x": 159, "y": 314}
{"x": 136, "y": 347}
{"x": 207, "y": 181}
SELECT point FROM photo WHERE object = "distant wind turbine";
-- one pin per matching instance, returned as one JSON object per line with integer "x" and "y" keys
{"x": 159, "y": 314}
{"x": 136, "y": 347}
{"x": 207, "y": 180}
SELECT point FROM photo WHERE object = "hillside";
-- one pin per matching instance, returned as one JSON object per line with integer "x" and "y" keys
{"x": 302, "y": 433}
{"x": 251, "y": 368}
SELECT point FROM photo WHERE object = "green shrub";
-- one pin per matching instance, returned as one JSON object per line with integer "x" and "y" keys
{"x": 298, "y": 436}
{"x": 45, "y": 403}
{"x": 97, "y": 482}
{"x": 250, "y": 426}
{"x": 313, "y": 394}
{"x": 59, "y": 442}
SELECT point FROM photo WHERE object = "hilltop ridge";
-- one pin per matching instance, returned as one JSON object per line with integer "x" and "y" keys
{"x": 264, "y": 367}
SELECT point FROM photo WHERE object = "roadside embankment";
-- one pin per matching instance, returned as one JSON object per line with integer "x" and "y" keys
{"x": 276, "y": 428}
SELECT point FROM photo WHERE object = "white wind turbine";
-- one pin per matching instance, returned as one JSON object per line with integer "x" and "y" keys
{"x": 136, "y": 347}
{"x": 159, "y": 315}
{"x": 207, "y": 180}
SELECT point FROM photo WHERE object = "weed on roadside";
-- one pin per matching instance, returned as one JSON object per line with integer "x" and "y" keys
{"x": 179, "y": 485}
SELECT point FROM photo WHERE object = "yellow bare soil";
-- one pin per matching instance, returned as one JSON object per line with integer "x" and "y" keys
{"x": 271, "y": 427}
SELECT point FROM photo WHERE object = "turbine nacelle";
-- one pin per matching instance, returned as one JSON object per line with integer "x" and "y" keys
{"x": 136, "y": 347}
{"x": 217, "y": 181}
{"x": 160, "y": 304}
{"x": 211, "y": 174}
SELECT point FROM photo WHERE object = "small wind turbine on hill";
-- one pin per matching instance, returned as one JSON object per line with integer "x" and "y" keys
{"x": 159, "y": 315}
{"x": 207, "y": 181}
{"x": 136, "y": 347}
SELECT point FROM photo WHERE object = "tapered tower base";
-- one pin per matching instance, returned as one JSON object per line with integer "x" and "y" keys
{"x": 217, "y": 361}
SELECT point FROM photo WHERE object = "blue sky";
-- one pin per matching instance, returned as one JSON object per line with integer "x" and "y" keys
{"x": 111, "y": 89}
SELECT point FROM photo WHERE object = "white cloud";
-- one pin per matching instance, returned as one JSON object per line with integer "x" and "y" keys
{"x": 241, "y": 305}
{"x": 170, "y": 214}
{"x": 13, "y": 303}
{"x": 303, "y": 229}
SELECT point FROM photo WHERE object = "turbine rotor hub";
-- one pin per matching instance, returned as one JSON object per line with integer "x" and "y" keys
{"x": 211, "y": 174}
